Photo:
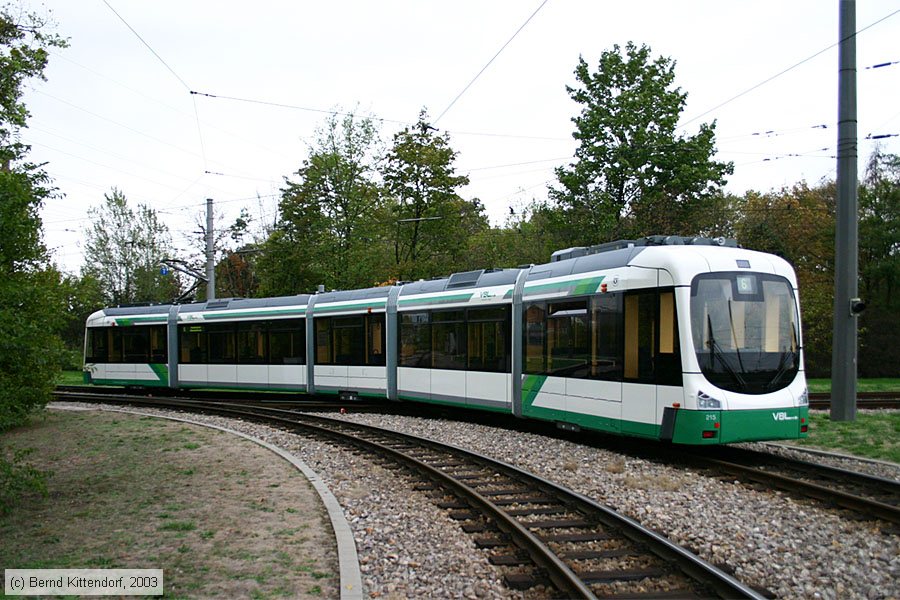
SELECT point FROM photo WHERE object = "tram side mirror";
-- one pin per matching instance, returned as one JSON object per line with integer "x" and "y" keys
{"x": 857, "y": 306}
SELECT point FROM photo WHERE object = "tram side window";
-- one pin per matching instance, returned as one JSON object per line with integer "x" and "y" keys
{"x": 375, "y": 333}
{"x": 488, "y": 335}
{"x": 323, "y": 341}
{"x": 415, "y": 340}
{"x": 651, "y": 338}
{"x": 192, "y": 344}
{"x": 534, "y": 340}
{"x": 159, "y": 344}
{"x": 348, "y": 339}
{"x": 568, "y": 351}
{"x": 640, "y": 336}
{"x": 221, "y": 343}
{"x": 114, "y": 343}
{"x": 287, "y": 342}
{"x": 251, "y": 343}
{"x": 606, "y": 337}
{"x": 97, "y": 345}
{"x": 668, "y": 363}
{"x": 448, "y": 339}
{"x": 353, "y": 340}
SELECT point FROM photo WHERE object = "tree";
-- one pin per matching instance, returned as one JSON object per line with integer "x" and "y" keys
{"x": 431, "y": 218}
{"x": 797, "y": 224}
{"x": 327, "y": 232}
{"x": 82, "y": 296}
{"x": 123, "y": 252}
{"x": 29, "y": 293}
{"x": 879, "y": 266}
{"x": 633, "y": 174}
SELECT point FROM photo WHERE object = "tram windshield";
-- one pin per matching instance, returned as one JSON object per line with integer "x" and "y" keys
{"x": 745, "y": 331}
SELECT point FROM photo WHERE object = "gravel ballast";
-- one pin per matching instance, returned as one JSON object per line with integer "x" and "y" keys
{"x": 410, "y": 548}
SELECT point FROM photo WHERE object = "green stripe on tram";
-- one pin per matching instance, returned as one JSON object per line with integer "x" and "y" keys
{"x": 161, "y": 371}
{"x": 129, "y": 321}
{"x": 531, "y": 387}
{"x": 575, "y": 287}
{"x": 441, "y": 300}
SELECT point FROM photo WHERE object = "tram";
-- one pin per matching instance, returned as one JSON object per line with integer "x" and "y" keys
{"x": 691, "y": 340}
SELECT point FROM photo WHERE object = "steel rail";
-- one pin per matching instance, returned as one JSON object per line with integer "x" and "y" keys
{"x": 865, "y": 506}
{"x": 562, "y": 576}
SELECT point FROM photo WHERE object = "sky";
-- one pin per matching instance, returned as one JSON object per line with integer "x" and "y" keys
{"x": 117, "y": 108}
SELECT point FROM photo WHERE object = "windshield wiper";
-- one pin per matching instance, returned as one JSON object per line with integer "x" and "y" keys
{"x": 734, "y": 337}
{"x": 782, "y": 369}
{"x": 716, "y": 352}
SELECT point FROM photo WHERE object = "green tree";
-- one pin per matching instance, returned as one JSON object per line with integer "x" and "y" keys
{"x": 82, "y": 296}
{"x": 879, "y": 266}
{"x": 431, "y": 218}
{"x": 634, "y": 175}
{"x": 123, "y": 250}
{"x": 797, "y": 224}
{"x": 327, "y": 231}
{"x": 29, "y": 292}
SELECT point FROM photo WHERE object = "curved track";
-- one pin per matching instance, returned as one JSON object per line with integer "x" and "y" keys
{"x": 870, "y": 496}
{"x": 536, "y": 532}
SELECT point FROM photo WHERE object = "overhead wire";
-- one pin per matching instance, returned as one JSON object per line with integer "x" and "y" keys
{"x": 493, "y": 58}
{"x": 780, "y": 73}
{"x": 171, "y": 70}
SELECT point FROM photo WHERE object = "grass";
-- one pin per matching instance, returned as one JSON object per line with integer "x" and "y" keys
{"x": 71, "y": 378}
{"x": 885, "y": 384}
{"x": 117, "y": 499}
{"x": 874, "y": 434}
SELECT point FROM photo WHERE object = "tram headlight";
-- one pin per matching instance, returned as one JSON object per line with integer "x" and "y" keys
{"x": 803, "y": 400}
{"x": 705, "y": 401}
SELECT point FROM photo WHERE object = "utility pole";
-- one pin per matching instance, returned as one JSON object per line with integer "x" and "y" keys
{"x": 210, "y": 253}
{"x": 846, "y": 244}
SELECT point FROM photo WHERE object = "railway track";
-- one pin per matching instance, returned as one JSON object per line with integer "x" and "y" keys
{"x": 817, "y": 400}
{"x": 536, "y": 532}
{"x": 867, "y": 495}
{"x": 286, "y": 400}
{"x": 822, "y": 400}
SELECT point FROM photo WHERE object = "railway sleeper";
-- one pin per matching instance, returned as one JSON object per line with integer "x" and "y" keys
{"x": 559, "y": 524}
{"x": 542, "y": 510}
{"x": 510, "y": 560}
{"x": 614, "y": 576}
{"x": 524, "y": 500}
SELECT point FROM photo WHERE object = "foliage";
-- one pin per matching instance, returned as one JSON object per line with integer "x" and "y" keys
{"x": 82, "y": 296}
{"x": 17, "y": 478}
{"x": 527, "y": 238}
{"x": 798, "y": 224}
{"x": 879, "y": 265}
{"x": 634, "y": 175}
{"x": 123, "y": 250}
{"x": 431, "y": 218}
{"x": 327, "y": 233}
{"x": 29, "y": 294}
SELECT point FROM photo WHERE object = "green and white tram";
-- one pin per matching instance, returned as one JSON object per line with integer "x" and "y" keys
{"x": 691, "y": 340}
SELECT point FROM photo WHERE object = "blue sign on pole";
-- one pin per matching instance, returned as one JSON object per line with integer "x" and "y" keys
{"x": 164, "y": 271}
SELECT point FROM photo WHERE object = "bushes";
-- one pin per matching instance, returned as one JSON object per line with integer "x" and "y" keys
{"x": 18, "y": 479}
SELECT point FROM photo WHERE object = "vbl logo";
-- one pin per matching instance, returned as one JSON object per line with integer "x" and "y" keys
{"x": 782, "y": 416}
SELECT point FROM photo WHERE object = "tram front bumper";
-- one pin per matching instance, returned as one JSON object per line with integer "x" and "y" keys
{"x": 730, "y": 426}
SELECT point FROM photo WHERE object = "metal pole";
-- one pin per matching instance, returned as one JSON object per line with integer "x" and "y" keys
{"x": 210, "y": 253}
{"x": 846, "y": 250}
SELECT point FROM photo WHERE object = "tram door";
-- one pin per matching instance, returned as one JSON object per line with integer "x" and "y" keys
{"x": 651, "y": 357}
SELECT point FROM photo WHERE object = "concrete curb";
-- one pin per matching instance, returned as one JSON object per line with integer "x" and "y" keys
{"x": 348, "y": 560}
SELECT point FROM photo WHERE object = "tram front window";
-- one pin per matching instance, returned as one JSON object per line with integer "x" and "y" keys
{"x": 745, "y": 331}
